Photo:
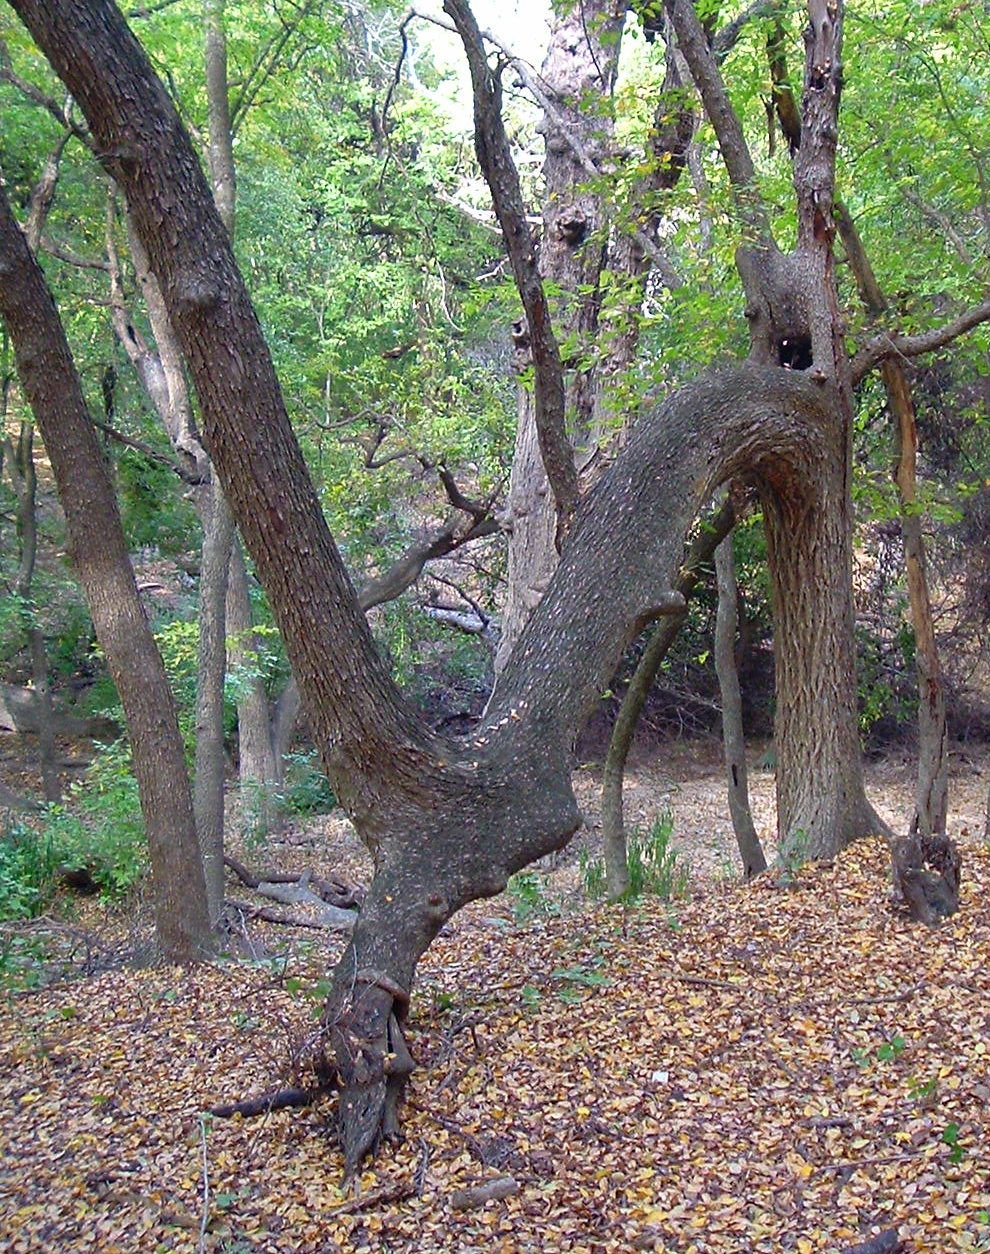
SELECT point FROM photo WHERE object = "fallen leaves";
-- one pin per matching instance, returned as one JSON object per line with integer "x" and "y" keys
{"x": 764, "y": 1070}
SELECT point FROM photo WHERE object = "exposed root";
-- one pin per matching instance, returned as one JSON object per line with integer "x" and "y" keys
{"x": 374, "y": 1062}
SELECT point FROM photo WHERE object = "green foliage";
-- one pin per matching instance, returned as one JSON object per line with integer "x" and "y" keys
{"x": 307, "y": 789}
{"x": 100, "y": 829}
{"x": 97, "y": 835}
{"x": 153, "y": 512}
{"x": 653, "y": 865}
{"x": 27, "y": 872}
{"x": 530, "y": 896}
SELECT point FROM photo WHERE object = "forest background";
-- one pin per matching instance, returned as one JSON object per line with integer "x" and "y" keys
{"x": 366, "y": 236}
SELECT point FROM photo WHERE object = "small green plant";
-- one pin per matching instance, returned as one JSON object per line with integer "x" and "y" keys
{"x": 531, "y": 998}
{"x": 577, "y": 980}
{"x": 307, "y": 790}
{"x": 653, "y": 864}
{"x": 528, "y": 892}
{"x": 27, "y": 872}
{"x": 592, "y": 874}
{"x": 950, "y": 1137}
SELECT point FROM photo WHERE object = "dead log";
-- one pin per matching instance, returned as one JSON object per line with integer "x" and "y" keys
{"x": 335, "y": 892}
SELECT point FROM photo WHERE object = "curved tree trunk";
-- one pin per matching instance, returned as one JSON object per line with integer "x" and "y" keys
{"x": 99, "y": 554}
{"x": 733, "y": 741}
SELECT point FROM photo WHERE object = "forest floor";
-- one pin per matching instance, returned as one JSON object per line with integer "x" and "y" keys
{"x": 789, "y": 1065}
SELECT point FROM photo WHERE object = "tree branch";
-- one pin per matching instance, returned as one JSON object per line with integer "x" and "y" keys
{"x": 693, "y": 43}
{"x": 495, "y": 159}
{"x": 893, "y": 344}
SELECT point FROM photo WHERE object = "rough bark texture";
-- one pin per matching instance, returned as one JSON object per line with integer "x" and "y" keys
{"x": 99, "y": 553}
{"x": 733, "y": 741}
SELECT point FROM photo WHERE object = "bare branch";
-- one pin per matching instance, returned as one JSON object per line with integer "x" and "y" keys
{"x": 702, "y": 63}
{"x": 187, "y": 476}
{"x": 941, "y": 220}
{"x": 60, "y": 112}
{"x": 893, "y": 344}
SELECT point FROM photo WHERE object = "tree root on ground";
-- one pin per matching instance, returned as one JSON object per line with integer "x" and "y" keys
{"x": 926, "y": 871}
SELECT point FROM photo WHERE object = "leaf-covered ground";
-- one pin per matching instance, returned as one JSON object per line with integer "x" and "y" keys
{"x": 786, "y": 1066}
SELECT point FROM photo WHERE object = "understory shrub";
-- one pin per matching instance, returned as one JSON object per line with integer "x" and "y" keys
{"x": 654, "y": 867}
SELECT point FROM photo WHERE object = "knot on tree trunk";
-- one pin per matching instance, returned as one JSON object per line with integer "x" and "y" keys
{"x": 926, "y": 872}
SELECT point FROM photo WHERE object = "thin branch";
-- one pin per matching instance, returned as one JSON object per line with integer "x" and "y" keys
{"x": 941, "y": 220}
{"x": 187, "y": 476}
{"x": 701, "y": 61}
{"x": 495, "y": 159}
{"x": 63, "y": 253}
{"x": 60, "y": 112}
{"x": 893, "y": 344}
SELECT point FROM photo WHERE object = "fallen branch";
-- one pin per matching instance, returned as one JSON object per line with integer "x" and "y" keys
{"x": 491, "y": 1190}
{"x": 286, "y": 919}
{"x": 886, "y": 1243}
{"x": 281, "y": 1099}
{"x": 393, "y": 1193}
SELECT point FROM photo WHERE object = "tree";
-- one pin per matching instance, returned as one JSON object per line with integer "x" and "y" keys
{"x": 449, "y": 820}
{"x": 52, "y": 388}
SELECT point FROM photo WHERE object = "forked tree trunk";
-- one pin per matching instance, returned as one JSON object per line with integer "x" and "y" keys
{"x": 99, "y": 554}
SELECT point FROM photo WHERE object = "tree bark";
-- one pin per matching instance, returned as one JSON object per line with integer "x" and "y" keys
{"x": 733, "y": 740}
{"x": 99, "y": 553}
{"x": 208, "y": 799}
{"x": 582, "y": 60}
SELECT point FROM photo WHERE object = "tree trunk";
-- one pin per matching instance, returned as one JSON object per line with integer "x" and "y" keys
{"x": 662, "y": 637}
{"x": 208, "y": 800}
{"x": 23, "y": 476}
{"x": 733, "y": 740}
{"x": 582, "y": 61}
{"x": 99, "y": 553}
{"x": 258, "y": 772}
{"x": 932, "y": 796}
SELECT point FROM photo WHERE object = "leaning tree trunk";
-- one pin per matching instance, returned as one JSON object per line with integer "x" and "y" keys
{"x": 99, "y": 554}
{"x": 581, "y": 62}
{"x": 733, "y": 740}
